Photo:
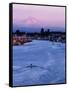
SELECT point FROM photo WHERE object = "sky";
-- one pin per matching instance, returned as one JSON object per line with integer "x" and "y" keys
{"x": 33, "y": 16}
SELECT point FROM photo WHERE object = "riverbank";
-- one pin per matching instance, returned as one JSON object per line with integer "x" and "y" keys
{"x": 20, "y": 40}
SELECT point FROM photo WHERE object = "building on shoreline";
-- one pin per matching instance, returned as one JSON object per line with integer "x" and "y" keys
{"x": 19, "y": 38}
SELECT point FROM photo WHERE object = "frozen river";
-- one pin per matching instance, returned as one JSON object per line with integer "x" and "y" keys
{"x": 47, "y": 60}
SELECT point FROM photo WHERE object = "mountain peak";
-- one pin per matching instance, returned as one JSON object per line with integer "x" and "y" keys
{"x": 30, "y": 21}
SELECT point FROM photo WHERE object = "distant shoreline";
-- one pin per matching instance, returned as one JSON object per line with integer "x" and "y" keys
{"x": 19, "y": 38}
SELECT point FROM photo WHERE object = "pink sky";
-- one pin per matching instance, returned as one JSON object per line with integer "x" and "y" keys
{"x": 32, "y": 15}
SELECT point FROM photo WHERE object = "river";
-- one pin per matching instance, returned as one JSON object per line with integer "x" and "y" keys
{"x": 47, "y": 60}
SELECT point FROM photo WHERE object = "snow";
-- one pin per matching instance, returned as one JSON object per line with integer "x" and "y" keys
{"x": 48, "y": 58}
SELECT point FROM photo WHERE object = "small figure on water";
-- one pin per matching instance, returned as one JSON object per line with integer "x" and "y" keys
{"x": 31, "y": 66}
